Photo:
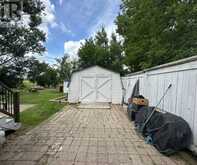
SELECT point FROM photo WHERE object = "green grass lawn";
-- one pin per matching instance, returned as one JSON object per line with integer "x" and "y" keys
{"x": 43, "y": 108}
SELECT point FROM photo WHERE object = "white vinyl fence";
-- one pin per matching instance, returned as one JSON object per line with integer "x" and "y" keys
{"x": 181, "y": 99}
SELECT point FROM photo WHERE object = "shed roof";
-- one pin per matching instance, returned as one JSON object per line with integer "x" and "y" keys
{"x": 93, "y": 67}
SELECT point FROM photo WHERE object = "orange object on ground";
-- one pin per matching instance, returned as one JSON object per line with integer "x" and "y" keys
{"x": 139, "y": 101}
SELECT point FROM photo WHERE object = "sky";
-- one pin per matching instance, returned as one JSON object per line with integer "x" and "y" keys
{"x": 67, "y": 23}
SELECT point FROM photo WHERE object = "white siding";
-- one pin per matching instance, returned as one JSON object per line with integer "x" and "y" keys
{"x": 75, "y": 88}
{"x": 131, "y": 81}
{"x": 181, "y": 98}
{"x": 73, "y": 96}
{"x": 116, "y": 89}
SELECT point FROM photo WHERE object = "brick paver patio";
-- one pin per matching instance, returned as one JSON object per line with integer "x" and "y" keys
{"x": 84, "y": 137}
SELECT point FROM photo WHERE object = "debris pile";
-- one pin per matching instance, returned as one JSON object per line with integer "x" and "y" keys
{"x": 167, "y": 132}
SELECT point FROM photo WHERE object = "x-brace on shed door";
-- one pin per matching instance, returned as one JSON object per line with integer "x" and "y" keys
{"x": 96, "y": 88}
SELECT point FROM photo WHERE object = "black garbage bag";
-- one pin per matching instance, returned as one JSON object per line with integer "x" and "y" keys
{"x": 169, "y": 132}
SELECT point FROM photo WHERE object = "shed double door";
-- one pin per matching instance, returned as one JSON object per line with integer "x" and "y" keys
{"x": 96, "y": 88}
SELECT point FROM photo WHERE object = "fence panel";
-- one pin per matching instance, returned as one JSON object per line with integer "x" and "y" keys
{"x": 181, "y": 98}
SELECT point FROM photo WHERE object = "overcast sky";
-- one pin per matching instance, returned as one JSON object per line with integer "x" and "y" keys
{"x": 68, "y": 22}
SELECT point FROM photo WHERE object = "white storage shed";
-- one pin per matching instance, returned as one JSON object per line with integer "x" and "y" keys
{"x": 95, "y": 84}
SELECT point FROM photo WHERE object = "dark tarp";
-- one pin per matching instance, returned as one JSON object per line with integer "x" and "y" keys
{"x": 136, "y": 89}
{"x": 169, "y": 132}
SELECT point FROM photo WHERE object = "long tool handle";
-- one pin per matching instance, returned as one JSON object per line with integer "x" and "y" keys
{"x": 148, "y": 119}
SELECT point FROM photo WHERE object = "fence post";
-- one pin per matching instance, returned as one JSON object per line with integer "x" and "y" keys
{"x": 17, "y": 106}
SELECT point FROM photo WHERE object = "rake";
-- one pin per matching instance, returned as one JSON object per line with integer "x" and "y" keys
{"x": 152, "y": 113}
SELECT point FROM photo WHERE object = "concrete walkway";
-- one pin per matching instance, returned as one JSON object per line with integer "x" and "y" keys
{"x": 84, "y": 137}
{"x": 24, "y": 107}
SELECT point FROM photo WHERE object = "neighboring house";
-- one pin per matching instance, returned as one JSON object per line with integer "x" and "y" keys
{"x": 95, "y": 84}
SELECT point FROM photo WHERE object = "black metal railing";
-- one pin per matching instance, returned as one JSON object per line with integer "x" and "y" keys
{"x": 9, "y": 102}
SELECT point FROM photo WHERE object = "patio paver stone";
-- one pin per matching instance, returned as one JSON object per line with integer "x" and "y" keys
{"x": 84, "y": 137}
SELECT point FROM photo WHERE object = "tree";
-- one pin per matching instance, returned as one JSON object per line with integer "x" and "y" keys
{"x": 35, "y": 69}
{"x": 116, "y": 54}
{"x": 42, "y": 74}
{"x": 87, "y": 54}
{"x": 17, "y": 40}
{"x": 49, "y": 78}
{"x": 100, "y": 51}
{"x": 64, "y": 68}
{"x": 156, "y": 32}
{"x": 12, "y": 75}
{"x": 101, "y": 38}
